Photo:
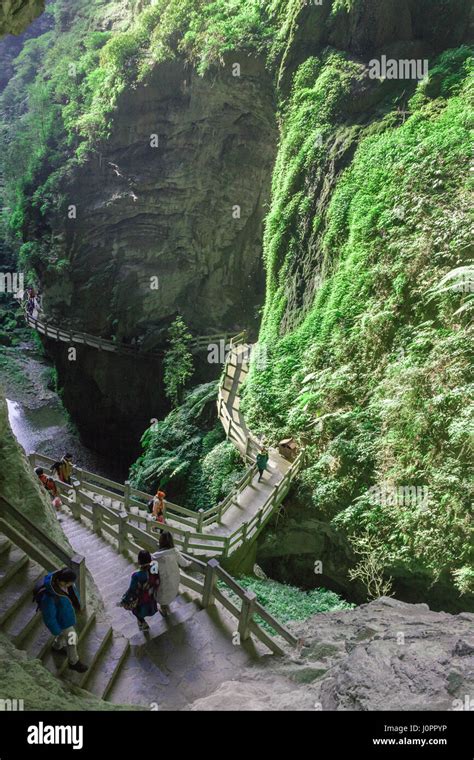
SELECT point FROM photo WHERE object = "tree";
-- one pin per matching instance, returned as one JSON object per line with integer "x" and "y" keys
{"x": 371, "y": 567}
{"x": 178, "y": 361}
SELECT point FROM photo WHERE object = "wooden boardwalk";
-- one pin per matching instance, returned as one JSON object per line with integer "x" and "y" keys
{"x": 224, "y": 528}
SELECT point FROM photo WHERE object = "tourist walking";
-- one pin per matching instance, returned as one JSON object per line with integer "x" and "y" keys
{"x": 140, "y": 598}
{"x": 169, "y": 561}
{"x": 262, "y": 461}
{"x": 64, "y": 469}
{"x": 50, "y": 486}
{"x": 48, "y": 482}
{"x": 58, "y": 601}
{"x": 158, "y": 509}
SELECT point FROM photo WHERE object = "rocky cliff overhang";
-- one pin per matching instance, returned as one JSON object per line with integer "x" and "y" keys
{"x": 15, "y": 15}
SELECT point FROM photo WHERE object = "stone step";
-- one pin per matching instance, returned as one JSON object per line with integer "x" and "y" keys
{"x": 37, "y": 640}
{"x": 103, "y": 676}
{"x": 17, "y": 561}
{"x": 22, "y": 610}
{"x": 160, "y": 625}
{"x": 5, "y": 545}
{"x": 90, "y": 636}
{"x": 19, "y": 589}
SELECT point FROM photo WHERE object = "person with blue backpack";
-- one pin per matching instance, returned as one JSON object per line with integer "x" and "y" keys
{"x": 58, "y": 601}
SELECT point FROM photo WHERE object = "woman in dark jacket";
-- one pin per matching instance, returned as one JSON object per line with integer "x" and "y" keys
{"x": 141, "y": 595}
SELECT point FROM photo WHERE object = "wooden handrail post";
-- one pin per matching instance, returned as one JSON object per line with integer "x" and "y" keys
{"x": 210, "y": 581}
{"x": 186, "y": 542}
{"x": 226, "y": 547}
{"x": 32, "y": 459}
{"x": 122, "y": 531}
{"x": 246, "y": 614}
{"x": 200, "y": 519}
{"x": 74, "y": 503}
{"x": 79, "y": 476}
{"x": 219, "y": 513}
{"x": 126, "y": 496}
{"x": 78, "y": 565}
{"x": 96, "y": 518}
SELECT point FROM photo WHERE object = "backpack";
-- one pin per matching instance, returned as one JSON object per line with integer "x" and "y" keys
{"x": 38, "y": 591}
{"x": 56, "y": 467}
{"x": 143, "y": 593}
{"x": 149, "y": 506}
{"x": 151, "y": 586}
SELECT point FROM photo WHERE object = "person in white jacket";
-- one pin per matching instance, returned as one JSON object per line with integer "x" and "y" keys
{"x": 169, "y": 561}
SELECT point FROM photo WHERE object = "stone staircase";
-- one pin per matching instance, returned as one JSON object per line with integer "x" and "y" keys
{"x": 20, "y": 621}
{"x": 183, "y": 657}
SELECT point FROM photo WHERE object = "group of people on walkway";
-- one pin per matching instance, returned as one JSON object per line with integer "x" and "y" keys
{"x": 62, "y": 470}
{"x": 153, "y": 587}
{"x": 156, "y": 583}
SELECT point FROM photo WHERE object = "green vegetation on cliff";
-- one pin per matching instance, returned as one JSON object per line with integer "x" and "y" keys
{"x": 368, "y": 361}
{"x": 287, "y": 603}
{"x": 72, "y": 77}
{"x": 372, "y": 371}
{"x": 186, "y": 454}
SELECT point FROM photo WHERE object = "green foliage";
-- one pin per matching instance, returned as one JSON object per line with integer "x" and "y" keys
{"x": 374, "y": 372}
{"x": 178, "y": 361}
{"x": 287, "y": 603}
{"x": 221, "y": 468}
{"x": 185, "y": 453}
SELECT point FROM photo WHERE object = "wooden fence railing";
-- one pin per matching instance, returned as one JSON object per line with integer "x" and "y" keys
{"x": 129, "y": 538}
{"x": 175, "y": 515}
{"x": 33, "y": 533}
{"x": 196, "y": 345}
{"x": 189, "y": 527}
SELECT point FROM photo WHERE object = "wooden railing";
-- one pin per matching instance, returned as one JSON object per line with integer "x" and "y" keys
{"x": 41, "y": 325}
{"x": 129, "y": 538}
{"x": 62, "y": 557}
{"x": 187, "y": 527}
{"x": 191, "y": 529}
{"x": 175, "y": 516}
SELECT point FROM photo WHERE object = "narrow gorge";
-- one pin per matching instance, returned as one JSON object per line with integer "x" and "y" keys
{"x": 295, "y": 176}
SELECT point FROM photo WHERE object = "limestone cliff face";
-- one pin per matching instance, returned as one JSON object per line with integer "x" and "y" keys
{"x": 177, "y": 193}
{"x": 15, "y": 15}
{"x": 19, "y": 486}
